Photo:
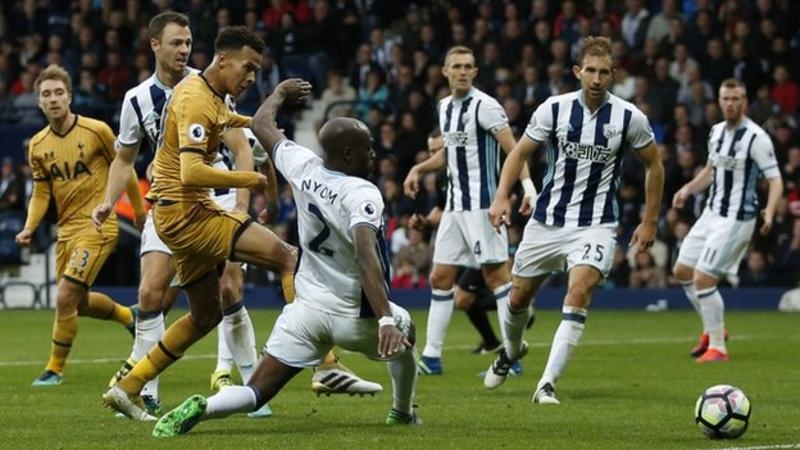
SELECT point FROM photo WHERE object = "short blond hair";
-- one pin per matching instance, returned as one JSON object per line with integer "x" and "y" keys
{"x": 458, "y": 50}
{"x": 53, "y": 72}
{"x": 596, "y": 46}
{"x": 733, "y": 83}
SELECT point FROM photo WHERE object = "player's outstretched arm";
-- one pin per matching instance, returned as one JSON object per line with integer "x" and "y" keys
{"x": 645, "y": 234}
{"x": 37, "y": 207}
{"x": 119, "y": 175}
{"x": 195, "y": 172}
{"x": 773, "y": 197}
{"x": 432, "y": 164}
{"x": 507, "y": 142}
{"x": 699, "y": 183}
{"x": 500, "y": 211}
{"x": 272, "y": 201}
{"x": 292, "y": 91}
{"x": 390, "y": 339}
{"x": 236, "y": 141}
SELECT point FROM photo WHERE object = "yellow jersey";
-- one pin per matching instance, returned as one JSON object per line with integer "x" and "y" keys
{"x": 75, "y": 165}
{"x": 195, "y": 120}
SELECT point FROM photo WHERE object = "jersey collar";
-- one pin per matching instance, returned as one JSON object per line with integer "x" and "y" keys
{"x": 582, "y": 103}
{"x": 211, "y": 87}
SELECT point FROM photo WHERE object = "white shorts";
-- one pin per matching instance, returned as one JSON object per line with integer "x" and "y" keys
{"x": 546, "y": 249}
{"x": 716, "y": 245}
{"x": 226, "y": 201}
{"x": 468, "y": 238}
{"x": 302, "y": 335}
{"x": 150, "y": 242}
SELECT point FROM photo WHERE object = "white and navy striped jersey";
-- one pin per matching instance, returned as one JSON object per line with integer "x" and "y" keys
{"x": 738, "y": 155}
{"x": 468, "y": 127}
{"x": 329, "y": 205}
{"x": 584, "y": 151}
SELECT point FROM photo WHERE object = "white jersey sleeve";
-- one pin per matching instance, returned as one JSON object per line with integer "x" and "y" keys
{"x": 130, "y": 125}
{"x": 364, "y": 205}
{"x": 491, "y": 116}
{"x": 293, "y": 160}
{"x": 640, "y": 134}
{"x": 763, "y": 154}
{"x": 541, "y": 123}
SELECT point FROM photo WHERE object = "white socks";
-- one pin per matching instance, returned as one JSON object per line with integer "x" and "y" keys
{"x": 501, "y": 295}
{"x": 231, "y": 400}
{"x": 404, "y": 379}
{"x": 149, "y": 329}
{"x": 439, "y": 315}
{"x": 564, "y": 342}
{"x": 691, "y": 294}
{"x": 237, "y": 342}
{"x": 513, "y": 326}
{"x": 712, "y": 310}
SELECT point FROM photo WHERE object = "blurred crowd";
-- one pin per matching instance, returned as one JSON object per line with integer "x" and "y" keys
{"x": 381, "y": 60}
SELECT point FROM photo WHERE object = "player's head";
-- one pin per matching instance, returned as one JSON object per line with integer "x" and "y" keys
{"x": 595, "y": 69}
{"x": 54, "y": 92}
{"x": 460, "y": 69}
{"x": 238, "y": 57}
{"x": 347, "y": 144}
{"x": 170, "y": 40}
{"x": 732, "y": 99}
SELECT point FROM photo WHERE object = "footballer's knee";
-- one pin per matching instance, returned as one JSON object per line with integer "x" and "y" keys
{"x": 70, "y": 297}
{"x": 463, "y": 299}
{"x": 683, "y": 273}
{"x": 442, "y": 278}
{"x": 150, "y": 296}
{"x": 703, "y": 280}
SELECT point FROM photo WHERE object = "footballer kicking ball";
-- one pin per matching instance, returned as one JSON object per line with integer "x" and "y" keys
{"x": 722, "y": 412}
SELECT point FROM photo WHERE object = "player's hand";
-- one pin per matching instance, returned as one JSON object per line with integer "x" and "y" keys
{"x": 680, "y": 197}
{"x": 100, "y": 213}
{"x": 411, "y": 184}
{"x": 23, "y": 238}
{"x": 526, "y": 206}
{"x": 138, "y": 220}
{"x": 391, "y": 341}
{"x": 269, "y": 214}
{"x": 500, "y": 211}
{"x": 766, "y": 227}
{"x": 643, "y": 237}
{"x": 259, "y": 183}
{"x": 418, "y": 222}
{"x": 294, "y": 90}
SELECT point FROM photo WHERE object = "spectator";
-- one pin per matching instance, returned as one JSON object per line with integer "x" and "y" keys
{"x": 757, "y": 271}
{"x": 374, "y": 93}
{"x": 785, "y": 91}
{"x": 635, "y": 23}
{"x": 12, "y": 195}
{"x": 338, "y": 91}
{"x": 646, "y": 274}
{"x": 659, "y": 25}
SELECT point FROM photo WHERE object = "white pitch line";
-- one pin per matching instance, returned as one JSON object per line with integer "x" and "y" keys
{"x": 597, "y": 342}
{"x": 762, "y": 447}
{"x": 93, "y": 360}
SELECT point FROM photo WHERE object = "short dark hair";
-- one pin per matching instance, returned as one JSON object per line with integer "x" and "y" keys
{"x": 733, "y": 83}
{"x": 234, "y": 38}
{"x": 157, "y": 24}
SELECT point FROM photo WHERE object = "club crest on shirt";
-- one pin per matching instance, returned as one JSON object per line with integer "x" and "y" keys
{"x": 610, "y": 131}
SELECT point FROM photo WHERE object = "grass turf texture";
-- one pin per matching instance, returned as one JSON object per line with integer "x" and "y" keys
{"x": 631, "y": 384}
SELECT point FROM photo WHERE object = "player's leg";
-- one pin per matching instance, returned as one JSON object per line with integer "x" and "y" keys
{"x": 258, "y": 245}
{"x": 65, "y": 327}
{"x": 90, "y": 253}
{"x": 470, "y": 296}
{"x": 205, "y": 314}
{"x": 442, "y": 279}
{"x": 582, "y": 281}
{"x": 156, "y": 272}
{"x": 236, "y": 338}
{"x": 688, "y": 256}
{"x": 725, "y": 246}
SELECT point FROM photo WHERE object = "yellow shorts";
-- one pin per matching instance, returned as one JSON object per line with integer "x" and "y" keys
{"x": 80, "y": 258}
{"x": 200, "y": 235}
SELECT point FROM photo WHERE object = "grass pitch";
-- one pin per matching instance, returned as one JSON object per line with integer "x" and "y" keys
{"x": 630, "y": 384}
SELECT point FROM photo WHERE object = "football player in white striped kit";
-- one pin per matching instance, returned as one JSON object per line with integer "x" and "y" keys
{"x": 473, "y": 126}
{"x": 342, "y": 279}
{"x": 738, "y": 152}
{"x": 574, "y": 223}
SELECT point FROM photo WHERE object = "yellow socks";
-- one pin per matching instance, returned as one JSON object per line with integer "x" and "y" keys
{"x": 64, "y": 331}
{"x": 100, "y": 306}
{"x": 175, "y": 341}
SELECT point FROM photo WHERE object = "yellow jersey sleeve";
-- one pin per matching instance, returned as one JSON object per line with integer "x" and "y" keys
{"x": 37, "y": 169}
{"x": 239, "y": 121}
{"x": 195, "y": 117}
{"x": 107, "y": 139}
